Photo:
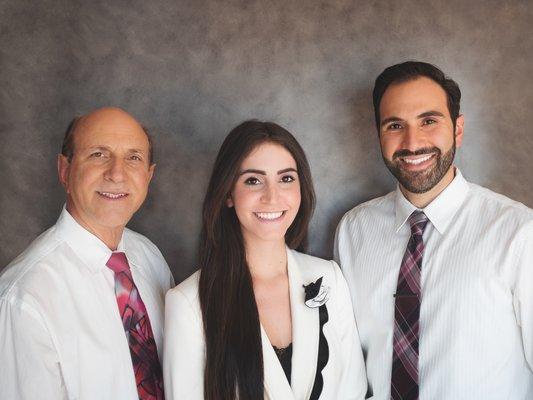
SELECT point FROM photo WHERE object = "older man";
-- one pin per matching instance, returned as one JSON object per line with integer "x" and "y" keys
{"x": 440, "y": 270}
{"x": 81, "y": 310}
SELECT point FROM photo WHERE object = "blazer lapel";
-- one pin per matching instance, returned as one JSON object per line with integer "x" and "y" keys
{"x": 276, "y": 384}
{"x": 305, "y": 333}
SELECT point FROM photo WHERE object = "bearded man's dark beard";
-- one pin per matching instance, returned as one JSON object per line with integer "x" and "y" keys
{"x": 421, "y": 181}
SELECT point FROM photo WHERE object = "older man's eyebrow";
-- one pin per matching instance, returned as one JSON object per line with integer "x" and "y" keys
{"x": 140, "y": 151}
{"x": 107, "y": 148}
{"x": 252, "y": 171}
{"x": 92, "y": 148}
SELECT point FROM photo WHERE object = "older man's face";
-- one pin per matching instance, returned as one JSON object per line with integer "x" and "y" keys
{"x": 107, "y": 179}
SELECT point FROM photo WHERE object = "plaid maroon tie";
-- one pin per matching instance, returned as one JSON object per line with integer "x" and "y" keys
{"x": 404, "y": 380}
{"x": 146, "y": 366}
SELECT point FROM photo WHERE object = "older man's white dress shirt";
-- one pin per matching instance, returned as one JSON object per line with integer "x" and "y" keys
{"x": 476, "y": 317}
{"x": 61, "y": 335}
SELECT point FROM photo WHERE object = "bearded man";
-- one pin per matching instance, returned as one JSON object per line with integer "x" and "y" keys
{"x": 440, "y": 270}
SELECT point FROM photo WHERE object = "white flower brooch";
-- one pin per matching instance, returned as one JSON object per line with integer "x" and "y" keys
{"x": 316, "y": 294}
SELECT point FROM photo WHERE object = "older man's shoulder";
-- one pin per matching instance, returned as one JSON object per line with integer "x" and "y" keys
{"x": 148, "y": 256}
{"x": 140, "y": 242}
{"x": 32, "y": 265}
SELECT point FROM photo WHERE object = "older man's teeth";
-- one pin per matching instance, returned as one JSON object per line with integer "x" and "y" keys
{"x": 269, "y": 215}
{"x": 113, "y": 195}
{"x": 416, "y": 161}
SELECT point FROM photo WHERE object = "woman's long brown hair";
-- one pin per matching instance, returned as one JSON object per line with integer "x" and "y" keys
{"x": 234, "y": 357}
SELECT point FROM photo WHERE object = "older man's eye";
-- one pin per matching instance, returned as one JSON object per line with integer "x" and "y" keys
{"x": 97, "y": 154}
{"x": 136, "y": 158}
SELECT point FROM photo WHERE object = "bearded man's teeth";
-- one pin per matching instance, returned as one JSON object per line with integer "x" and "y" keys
{"x": 269, "y": 215}
{"x": 417, "y": 160}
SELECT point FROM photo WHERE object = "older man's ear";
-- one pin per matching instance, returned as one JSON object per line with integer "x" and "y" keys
{"x": 63, "y": 168}
{"x": 151, "y": 170}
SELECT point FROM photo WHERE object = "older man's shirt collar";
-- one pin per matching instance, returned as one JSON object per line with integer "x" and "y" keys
{"x": 89, "y": 248}
{"x": 441, "y": 210}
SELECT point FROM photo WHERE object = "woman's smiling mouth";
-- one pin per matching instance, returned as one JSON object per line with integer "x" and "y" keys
{"x": 269, "y": 216}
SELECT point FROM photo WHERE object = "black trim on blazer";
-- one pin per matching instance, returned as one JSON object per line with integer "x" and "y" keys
{"x": 323, "y": 354}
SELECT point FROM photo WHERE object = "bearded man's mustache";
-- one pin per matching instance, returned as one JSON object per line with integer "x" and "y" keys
{"x": 419, "y": 152}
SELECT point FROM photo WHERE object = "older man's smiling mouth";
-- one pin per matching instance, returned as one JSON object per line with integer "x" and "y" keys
{"x": 112, "y": 196}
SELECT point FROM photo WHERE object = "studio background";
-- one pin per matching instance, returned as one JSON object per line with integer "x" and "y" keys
{"x": 192, "y": 70}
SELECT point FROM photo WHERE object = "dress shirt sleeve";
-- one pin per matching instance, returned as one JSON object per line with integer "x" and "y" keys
{"x": 523, "y": 294}
{"x": 183, "y": 351}
{"x": 28, "y": 357}
{"x": 353, "y": 382}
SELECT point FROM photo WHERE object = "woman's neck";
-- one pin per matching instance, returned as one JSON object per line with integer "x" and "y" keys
{"x": 266, "y": 260}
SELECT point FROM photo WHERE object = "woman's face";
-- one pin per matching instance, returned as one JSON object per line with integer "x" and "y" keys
{"x": 266, "y": 195}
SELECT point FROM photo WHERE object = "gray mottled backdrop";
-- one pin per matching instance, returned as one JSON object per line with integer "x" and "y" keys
{"x": 191, "y": 70}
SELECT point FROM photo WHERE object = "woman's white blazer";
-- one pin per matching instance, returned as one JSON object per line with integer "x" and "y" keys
{"x": 344, "y": 374}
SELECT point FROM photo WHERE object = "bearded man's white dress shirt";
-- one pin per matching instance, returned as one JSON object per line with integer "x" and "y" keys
{"x": 476, "y": 317}
{"x": 61, "y": 334}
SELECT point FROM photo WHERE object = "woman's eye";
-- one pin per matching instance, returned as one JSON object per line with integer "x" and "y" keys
{"x": 252, "y": 181}
{"x": 288, "y": 178}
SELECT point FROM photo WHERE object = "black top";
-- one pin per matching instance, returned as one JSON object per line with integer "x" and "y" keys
{"x": 285, "y": 359}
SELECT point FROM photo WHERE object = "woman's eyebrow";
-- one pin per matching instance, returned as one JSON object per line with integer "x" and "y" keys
{"x": 252, "y": 171}
{"x": 282, "y": 171}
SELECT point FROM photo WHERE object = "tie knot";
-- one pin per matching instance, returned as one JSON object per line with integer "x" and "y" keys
{"x": 418, "y": 222}
{"x": 118, "y": 262}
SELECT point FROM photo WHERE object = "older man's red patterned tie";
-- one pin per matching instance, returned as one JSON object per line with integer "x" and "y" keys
{"x": 404, "y": 380}
{"x": 138, "y": 330}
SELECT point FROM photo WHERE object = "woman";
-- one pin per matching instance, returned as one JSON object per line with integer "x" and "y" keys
{"x": 261, "y": 320}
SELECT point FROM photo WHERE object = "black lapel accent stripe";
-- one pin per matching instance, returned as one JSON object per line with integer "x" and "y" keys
{"x": 323, "y": 354}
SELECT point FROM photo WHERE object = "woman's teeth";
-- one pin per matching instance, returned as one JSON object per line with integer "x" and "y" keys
{"x": 269, "y": 215}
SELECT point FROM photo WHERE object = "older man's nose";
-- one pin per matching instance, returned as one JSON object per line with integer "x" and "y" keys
{"x": 115, "y": 172}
